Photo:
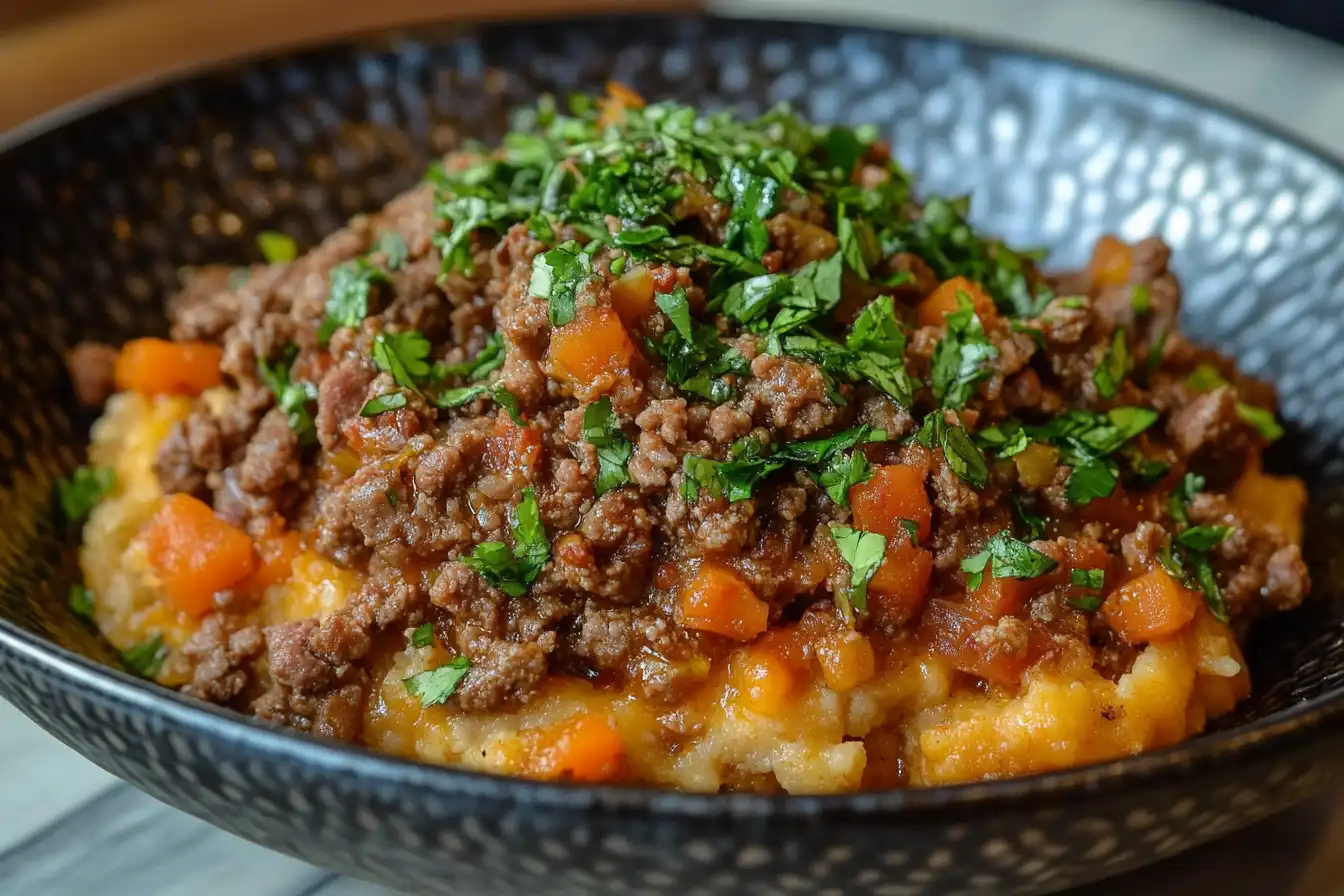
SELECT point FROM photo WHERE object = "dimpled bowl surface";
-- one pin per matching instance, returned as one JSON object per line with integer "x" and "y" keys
{"x": 98, "y": 216}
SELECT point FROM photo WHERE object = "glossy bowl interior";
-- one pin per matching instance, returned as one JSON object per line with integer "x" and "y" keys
{"x": 98, "y": 216}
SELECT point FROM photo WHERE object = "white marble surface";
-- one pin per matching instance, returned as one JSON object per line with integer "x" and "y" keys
{"x": 67, "y": 827}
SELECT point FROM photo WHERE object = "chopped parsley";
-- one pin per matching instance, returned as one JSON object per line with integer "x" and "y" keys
{"x": 678, "y": 310}
{"x": 737, "y": 477}
{"x": 1140, "y": 298}
{"x": 352, "y": 283}
{"x": 1006, "y": 558}
{"x": 1206, "y": 378}
{"x": 423, "y": 636}
{"x": 1181, "y": 496}
{"x": 963, "y": 457}
{"x": 912, "y": 529}
{"x": 81, "y": 601}
{"x": 1114, "y": 367}
{"x": 404, "y": 355}
{"x": 383, "y": 403}
{"x": 1087, "y": 442}
{"x": 754, "y": 197}
{"x": 863, "y": 552}
{"x": 1202, "y": 538}
{"x": 962, "y": 356}
{"x": 462, "y": 395}
{"x": 513, "y": 570}
{"x": 291, "y": 397}
{"x": 557, "y": 276}
{"x": 602, "y": 430}
{"x": 394, "y": 250}
{"x": 435, "y": 686}
{"x": 277, "y": 248}
{"x": 1007, "y": 439}
{"x": 146, "y": 658}
{"x": 1032, "y": 523}
{"x": 1092, "y": 579}
{"x": 489, "y": 359}
{"x": 78, "y": 495}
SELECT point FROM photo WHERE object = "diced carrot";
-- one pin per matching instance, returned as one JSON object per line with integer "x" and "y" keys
{"x": 945, "y": 300}
{"x": 1111, "y": 262}
{"x": 893, "y": 493}
{"x": 765, "y": 679}
{"x": 810, "y": 568}
{"x": 716, "y": 599}
{"x": 160, "y": 367}
{"x": 277, "y": 560}
{"x": 900, "y": 586}
{"x": 585, "y": 749}
{"x": 1274, "y": 502}
{"x": 632, "y": 295}
{"x": 847, "y": 660}
{"x": 997, "y": 597}
{"x": 1036, "y": 465}
{"x": 196, "y": 553}
{"x": 1149, "y": 607}
{"x": 590, "y": 351}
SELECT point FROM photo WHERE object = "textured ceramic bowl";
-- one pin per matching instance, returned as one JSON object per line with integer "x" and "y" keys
{"x": 98, "y": 215}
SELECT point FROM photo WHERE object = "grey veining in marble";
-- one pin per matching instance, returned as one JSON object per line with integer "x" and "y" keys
{"x": 67, "y": 827}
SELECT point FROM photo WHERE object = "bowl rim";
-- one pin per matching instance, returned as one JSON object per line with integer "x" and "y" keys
{"x": 1257, "y": 740}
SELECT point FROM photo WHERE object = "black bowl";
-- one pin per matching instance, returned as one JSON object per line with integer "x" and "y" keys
{"x": 98, "y": 215}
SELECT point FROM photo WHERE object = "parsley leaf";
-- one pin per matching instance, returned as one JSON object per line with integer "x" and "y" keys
{"x": 676, "y": 307}
{"x": 912, "y": 529}
{"x": 1261, "y": 420}
{"x": 423, "y": 636}
{"x": 512, "y": 571}
{"x": 1034, "y": 524}
{"x": 963, "y": 457}
{"x": 146, "y": 658}
{"x": 843, "y": 472}
{"x": 1088, "y": 603}
{"x": 1202, "y": 538}
{"x": 435, "y": 686}
{"x": 962, "y": 356}
{"x": 383, "y": 403}
{"x": 79, "y": 494}
{"x": 1006, "y": 439}
{"x": 81, "y": 601}
{"x": 1140, "y": 298}
{"x": 290, "y": 397}
{"x": 1114, "y": 367}
{"x": 557, "y": 276}
{"x": 602, "y": 430}
{"x": 1185, "y": 491}
{"x": 468, "y": 214}
{"x": 864, "y": 552}
{"x": 456, "y": 398}
{"x": 352, "y": 284}
{"x": 753, "y": 197}
{"x": 489, "y": 359}
{"x": 277, "y": 248}
{"x": 404, "y": 355}
{"x": 394, "y": 249}
{"x": 1007, "y": 558}
{"x": 1093, "y": 579}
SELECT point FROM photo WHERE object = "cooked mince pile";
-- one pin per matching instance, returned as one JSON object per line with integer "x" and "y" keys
{"x": 655, "y": 446}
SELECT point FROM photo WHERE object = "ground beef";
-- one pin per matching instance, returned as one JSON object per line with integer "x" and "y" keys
{"x": 1209, "y": 432}
{"x": 789, "y": 396}
{"x": 220, "y": 654}
{"x": 340, "y": 396}
{"x": 1262, "y": 572}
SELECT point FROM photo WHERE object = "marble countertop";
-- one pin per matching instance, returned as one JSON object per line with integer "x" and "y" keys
{"x": 67, "y": 827}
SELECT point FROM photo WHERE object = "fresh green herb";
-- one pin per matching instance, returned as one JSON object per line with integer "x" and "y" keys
{"x": 512, "y": 571}
{"x": 277, "y": 248}
{"x": 404, "y": 355}
{"x": 966, "y": 460}
{"x": 1093, "y": 579}
{"x": 489, "y": 359}
{"x": 1088, "y": 603}
{"x": 1007, "y": 558}
{"x": 557, "y": 276}
{"x": 753, "y": 197}
{"x": 1155, "y": 352}
{"x": 1202, "y": 538}
{"x": 456, "y": 398}
{"x": 423, "y": 636}
{"x": 1140, "y": 298}
{"x": 1073, "y": 303}
{"x": 146, "y": 658}
{"x": 736, "y": 478}
{"x": 1086, "y": 442}
{"x": 1204, "y": 378}
{"x": 78, "y": 495}
{"x": 602, "y": 430}
{"x": 352, "y": 284}
{"x": 1114, "y": 367}
{"x": 468, "y": 214}
{"x": 808, "y": 293}
{"x": 842, "y": 473}
{"x": 391, "y": 497}
{"x": 383, "y": 403}
{"x": 678, "y": 310}
{"x": 912, "y": 529}
{"x": 962, "y": 357}
{"x": 291, "y": 397}
{"x": 863, "y": 551}
{"x": 1182, "y": 495}
{"x": 435, "y": 686}
{"x": 617, "y": 266}
{"x": 1033, "y": 524}
{"x": 1261, "y": 420}
{"x": 81, "y": 601}
{"x": 394, "y": 249}
{"x": 872, "y": 353}
{"x": 858, "y": 243}
{"x": 1202, "y": 570}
